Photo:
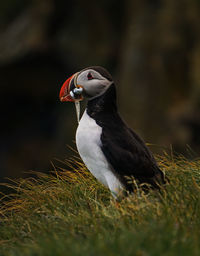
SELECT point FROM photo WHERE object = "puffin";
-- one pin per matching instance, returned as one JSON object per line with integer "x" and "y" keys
{"x": 112, "y": 151}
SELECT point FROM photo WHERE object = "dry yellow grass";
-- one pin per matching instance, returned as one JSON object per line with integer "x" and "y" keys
{"x": 69, "y": 211}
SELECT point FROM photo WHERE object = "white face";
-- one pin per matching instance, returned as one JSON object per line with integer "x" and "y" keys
{"x": 93, "y": 83}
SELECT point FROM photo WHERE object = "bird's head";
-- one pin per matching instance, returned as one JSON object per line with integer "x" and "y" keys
{"x": 88, "y": 83}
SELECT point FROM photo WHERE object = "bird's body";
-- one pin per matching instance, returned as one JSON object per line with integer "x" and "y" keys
{"x": 89, "y": 145}
{"x": 112, "y": 152}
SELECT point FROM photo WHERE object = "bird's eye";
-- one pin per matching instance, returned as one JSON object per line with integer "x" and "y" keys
{"x": 89, "y": 76}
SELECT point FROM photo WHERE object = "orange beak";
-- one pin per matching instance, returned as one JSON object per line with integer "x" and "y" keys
{"x": 65, "y": 91}
{"x": 70, "y": 91}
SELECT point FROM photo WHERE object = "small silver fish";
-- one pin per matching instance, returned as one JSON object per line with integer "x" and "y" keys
{"x": 77, "y": 106}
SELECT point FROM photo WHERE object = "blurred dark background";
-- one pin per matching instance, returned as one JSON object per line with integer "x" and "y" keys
{"x": 152, "y": 49}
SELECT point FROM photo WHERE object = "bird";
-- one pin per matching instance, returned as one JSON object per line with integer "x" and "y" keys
{"x": 109, "y": 148}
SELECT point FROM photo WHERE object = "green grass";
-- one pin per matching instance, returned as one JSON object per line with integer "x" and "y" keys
{"x": 65, "y": 213}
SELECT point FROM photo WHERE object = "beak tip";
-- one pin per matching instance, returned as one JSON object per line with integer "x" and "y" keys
{"x": 61, "y": 99}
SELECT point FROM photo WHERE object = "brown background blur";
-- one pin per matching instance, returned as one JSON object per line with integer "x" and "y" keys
{"x": 152, "y": 49}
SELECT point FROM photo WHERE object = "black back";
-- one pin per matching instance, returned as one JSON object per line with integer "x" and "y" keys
{"x": 123, "y": 148}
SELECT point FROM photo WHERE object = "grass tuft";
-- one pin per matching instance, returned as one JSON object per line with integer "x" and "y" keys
{"x": 67, "y": 212}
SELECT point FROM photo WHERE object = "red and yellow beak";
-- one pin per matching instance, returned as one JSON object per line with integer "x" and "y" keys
{"x": 68, "y": 89}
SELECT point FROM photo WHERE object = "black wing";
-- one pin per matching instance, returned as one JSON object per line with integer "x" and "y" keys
{"x": 129, "y": 156}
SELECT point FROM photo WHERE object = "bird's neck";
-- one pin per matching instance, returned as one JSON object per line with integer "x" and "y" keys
{"x": 104, "y": 104}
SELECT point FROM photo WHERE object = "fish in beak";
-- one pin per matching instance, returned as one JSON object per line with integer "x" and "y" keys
{"x": 70, "y": 90}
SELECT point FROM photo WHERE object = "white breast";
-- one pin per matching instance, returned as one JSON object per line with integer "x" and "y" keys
{"x": 88, "y": 144}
